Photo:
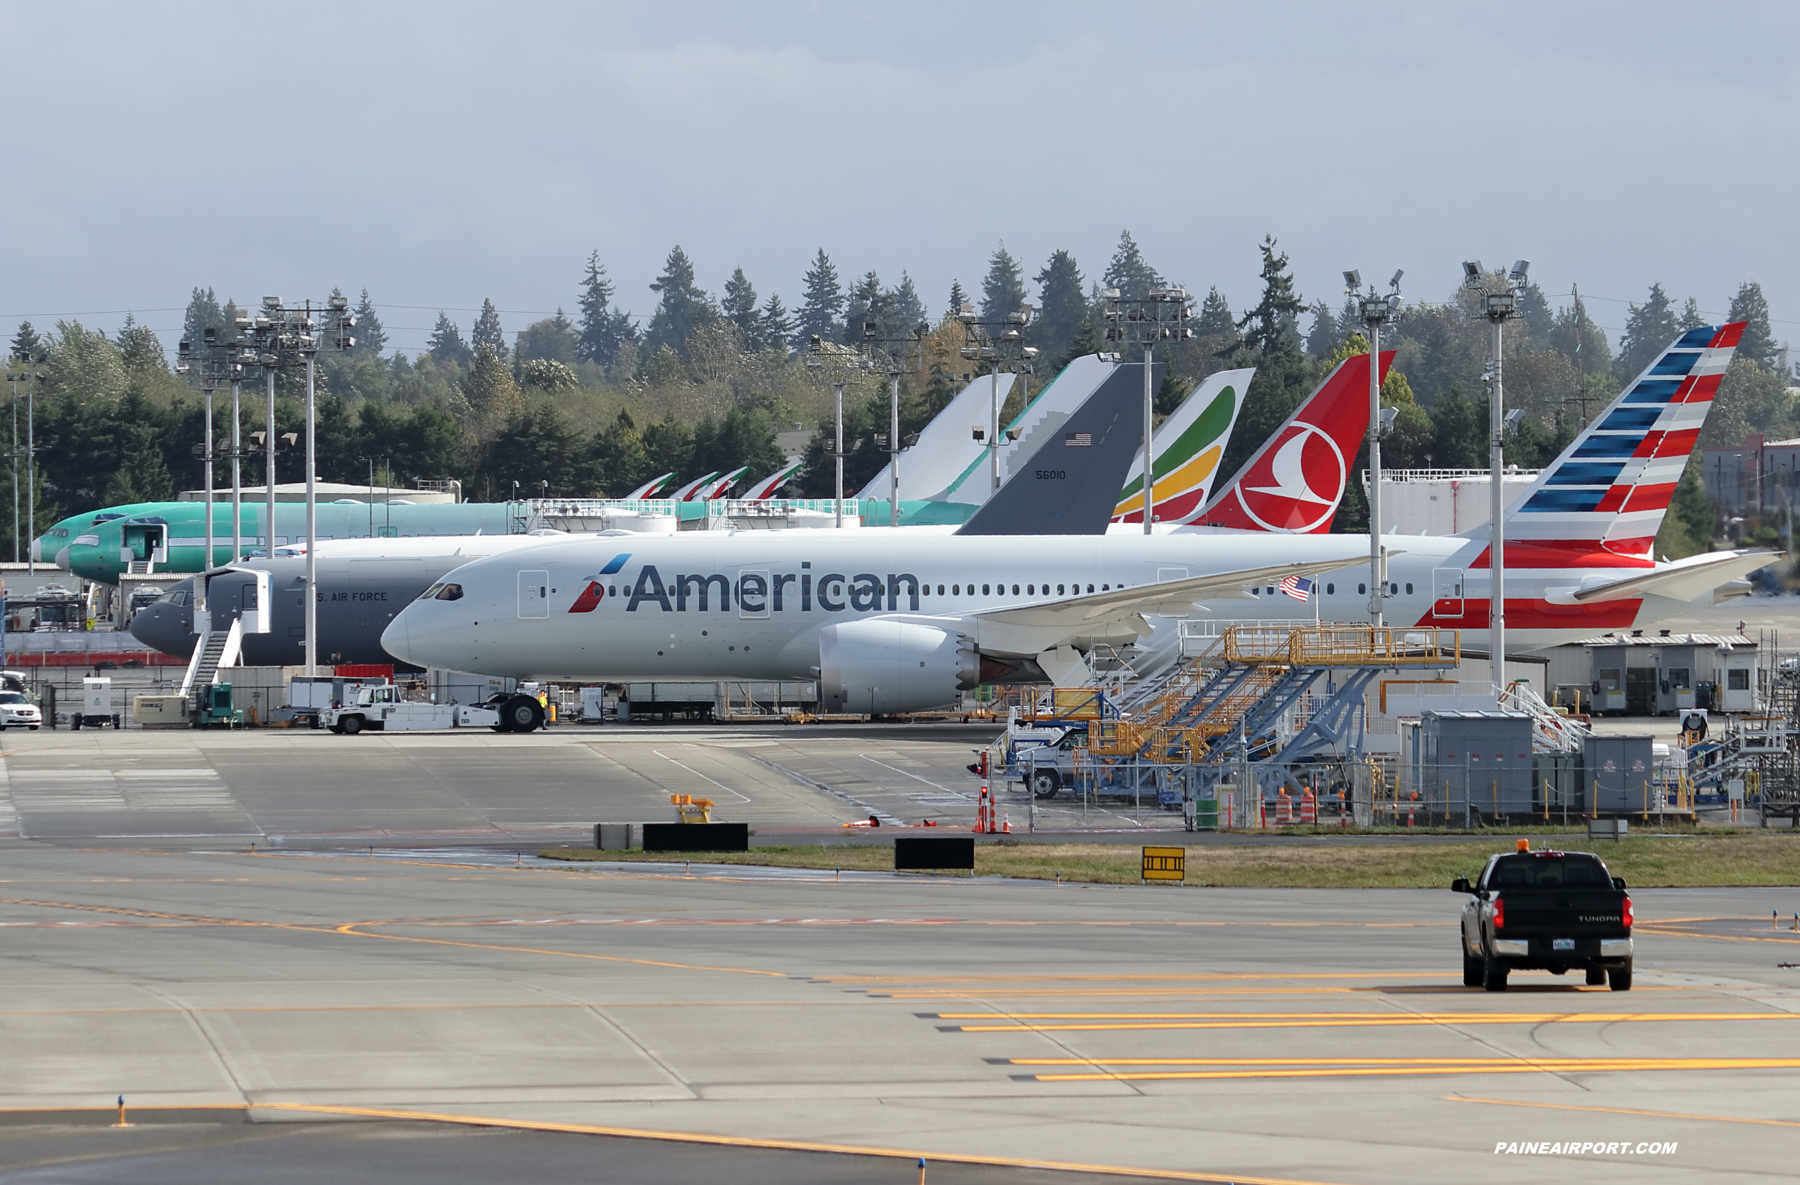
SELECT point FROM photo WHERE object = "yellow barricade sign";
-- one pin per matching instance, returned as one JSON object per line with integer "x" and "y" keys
{"x": 1165, "y": 864}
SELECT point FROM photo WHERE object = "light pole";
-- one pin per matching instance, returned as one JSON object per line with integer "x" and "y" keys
{"x": 1161, "y": 316}
{"x": 31, "y": 463}
{"x": 301, "y": 329}
{"x": 980, "y": 344}
{"x": 1376, "y": 310}
{"x": 14, "y": 380}
{"x": 1499, "y": 308}
{"x": 871, "y": 340}
{"x": 815, "y": 360}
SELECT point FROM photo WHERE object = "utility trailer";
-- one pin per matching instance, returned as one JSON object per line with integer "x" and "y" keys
{"x": 382, "y": 708}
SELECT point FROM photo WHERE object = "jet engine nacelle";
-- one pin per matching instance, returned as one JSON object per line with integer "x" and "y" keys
{"x": 880, "y": 667}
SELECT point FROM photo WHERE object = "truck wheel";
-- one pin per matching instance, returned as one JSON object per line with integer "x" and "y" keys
{"x": 350, "y": 725}
{"x": 522, "y": 714}
{"x": 75, "y": 723}
{"x": 1471, "y": 969}
{"x": 1596, "y": 976}
{"x": 1493, "y": 974}
{"x": 1620, "y": 977}
{"x": 1045, "y": 783}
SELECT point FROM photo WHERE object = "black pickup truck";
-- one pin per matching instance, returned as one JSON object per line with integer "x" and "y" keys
{"x": 1545, "y": 910}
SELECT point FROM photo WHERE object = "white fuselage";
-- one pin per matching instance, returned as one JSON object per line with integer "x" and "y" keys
{"x": 751, "y": 605}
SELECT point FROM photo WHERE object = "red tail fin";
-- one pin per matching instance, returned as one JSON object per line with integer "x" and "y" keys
{"x": 1295, "y": 481}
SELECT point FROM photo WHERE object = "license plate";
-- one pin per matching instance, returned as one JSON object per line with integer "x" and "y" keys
{"x": 1562, "y": 944}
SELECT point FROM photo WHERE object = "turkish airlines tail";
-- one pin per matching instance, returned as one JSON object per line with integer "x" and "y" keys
{"x": 1294, "y": 482}
{"x": 1189, "y": 446}
{"x": 1608, "y": 491}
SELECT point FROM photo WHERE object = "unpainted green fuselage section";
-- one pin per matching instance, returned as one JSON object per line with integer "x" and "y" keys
{"x": 101, "y": 544}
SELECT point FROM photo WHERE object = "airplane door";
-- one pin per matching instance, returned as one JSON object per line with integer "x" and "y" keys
{"x": 254, "y": 601}
{"x": 1447, "y": 594}
{"x": 753, "y": 593}
{"x": 534, "y": 593}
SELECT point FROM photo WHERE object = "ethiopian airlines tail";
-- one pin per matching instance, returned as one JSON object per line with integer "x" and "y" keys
{"x": 1189, "y": 446}
{"x": 1294, "y": 482}
{"x": 1601, "y": 503}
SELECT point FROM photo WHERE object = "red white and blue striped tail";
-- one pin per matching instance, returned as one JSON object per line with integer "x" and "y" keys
{"x": 1607, "y": 493}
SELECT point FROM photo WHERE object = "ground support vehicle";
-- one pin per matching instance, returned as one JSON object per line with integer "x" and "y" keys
{"x": 382, "y": 708}
{"x": 1546, "y": 910}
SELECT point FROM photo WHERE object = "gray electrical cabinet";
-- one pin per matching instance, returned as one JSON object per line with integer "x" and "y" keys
{"x": 1557, "y": 783}
{"x": 1481, "y": 760}
{"x": 1617, "y": 772}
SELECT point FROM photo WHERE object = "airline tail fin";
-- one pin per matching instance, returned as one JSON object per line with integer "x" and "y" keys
{"x": 1070, "y": 482}
{"x": 765, "y": 489}
{"x": 1189, "y": 445}
{"x": 649, "y": 488}
{"x": 1295, "y": 481}
{"x": 688, "y": 492}
{"x": 1610, "y": 488}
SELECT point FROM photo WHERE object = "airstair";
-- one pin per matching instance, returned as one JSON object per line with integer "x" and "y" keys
{"x": 212, "y": 651}
{"x": 1240, "y": 698}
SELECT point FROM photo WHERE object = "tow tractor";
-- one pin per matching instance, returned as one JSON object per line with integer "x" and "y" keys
{"x": 380, "y": 707}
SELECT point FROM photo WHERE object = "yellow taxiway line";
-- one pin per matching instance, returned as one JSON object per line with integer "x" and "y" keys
{"x": 1396, "y": 1067}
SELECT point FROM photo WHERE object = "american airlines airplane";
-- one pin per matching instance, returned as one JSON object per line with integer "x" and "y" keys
{"x": 886, "y": 621}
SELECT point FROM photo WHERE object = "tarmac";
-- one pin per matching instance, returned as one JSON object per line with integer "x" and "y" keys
{"x": 390, "y": 985}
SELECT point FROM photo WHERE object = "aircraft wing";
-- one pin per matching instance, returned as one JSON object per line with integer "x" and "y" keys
{"x": 1681, "y": 580}
{"x": 1173, "y": 598}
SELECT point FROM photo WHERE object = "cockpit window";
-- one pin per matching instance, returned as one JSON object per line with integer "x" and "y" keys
{"x": 431, "y": 592}
{"x": 450, "y": 592}
{"x": 176, "y": 596}
{"x": 58, "y": 532}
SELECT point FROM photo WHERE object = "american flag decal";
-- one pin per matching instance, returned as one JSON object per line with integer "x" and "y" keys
{"x": 1078, "y": 440}
{"x": 1297, "y": 587}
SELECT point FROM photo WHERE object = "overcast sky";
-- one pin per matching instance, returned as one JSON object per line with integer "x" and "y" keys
{"x": 441, "y": 153}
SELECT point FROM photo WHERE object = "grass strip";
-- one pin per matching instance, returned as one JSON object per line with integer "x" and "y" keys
{"x": 1683, "y": 861}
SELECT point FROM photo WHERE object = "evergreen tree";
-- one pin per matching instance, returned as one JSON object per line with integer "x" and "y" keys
{"x": 1649, "y": 328}
{"x": 1758, "y": 342}
{"x": 904, "y": 310}
{"x": 1459, "y": 431}
{"x": 620, "y": 463}
{"x": 144, "y": 475}
{"x": 1215, "y": 316}
{"x": 863, "y": 306}
{"x": 1690, "y": 316}
{"x": 535, "y": 446}
{"x": 683, "y": 307}
{"x": 1324, "y": 336}
{"x": 739, "y": 307}
{"x": 1003, "y": 289}
{"x": 203, "y": 313}
{"x": 371, "y": 337}
{"x": 1535, "y": 311}
{"x": 1129, "y": 272}
{"x": 603, "y": 329}
{"x": 1062, "y": 305}
{"x": 1270, "y": 325}
{"x": 669, "y": 447}
{"x": 446, "y": 343}
{"x": 26, "y": 343}
{"x": 141, "y": 350}
{"x": 552, "y": 339}
{"x": 958, "y": 298}
{"x": 775, "y": 327}
{"x": 487, "y": 331}
{"x": 489, "y": 387}
{"x": 1579, "y": 339}
{"x": 824, "y": 301}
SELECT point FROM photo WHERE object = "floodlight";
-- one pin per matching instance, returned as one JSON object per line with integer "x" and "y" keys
{"x": 1395, "y": 282}
{"x": 1031, "y": 351}
{"x": 1472, "y": 272}
{"x": 980, "y": 434}
{"x": 1012, "y": 434}
{"x": 1387, "y": 417}
{"x": 1519, "y": 268}
{"x": 242, "y": 320}
{"x": 1352, "y": 281}
{"x": 870, "y": 330}
{"x": 271, "y": 303}
{"x": 1512, "y": 420}
{"x": 340, "y": 302}
{"x": 1109, "y": 294}
{"x": 209, "y": 334}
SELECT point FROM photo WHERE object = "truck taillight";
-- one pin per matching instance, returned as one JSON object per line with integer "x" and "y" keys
{"x": 1499, "y": 913}
{"x": 1625, "y": 911}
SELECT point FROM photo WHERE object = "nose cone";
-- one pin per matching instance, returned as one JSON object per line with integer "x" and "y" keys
{"x": 395, "y": 639}
{"x": 62, "y": 558}
{"x": 37, "y": 551}
{"x": 165, "y": 627}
